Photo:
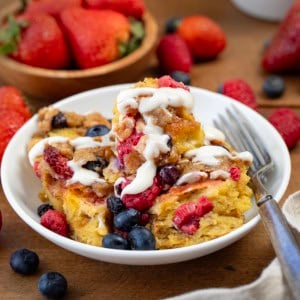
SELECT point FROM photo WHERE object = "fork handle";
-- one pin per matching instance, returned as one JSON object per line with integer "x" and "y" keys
{"x": 283, "y": 241}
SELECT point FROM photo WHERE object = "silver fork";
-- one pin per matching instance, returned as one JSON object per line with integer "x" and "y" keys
{"x": 242, "y": 136}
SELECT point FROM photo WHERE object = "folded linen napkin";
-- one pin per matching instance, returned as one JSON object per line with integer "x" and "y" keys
{"x": 270, "y": 285}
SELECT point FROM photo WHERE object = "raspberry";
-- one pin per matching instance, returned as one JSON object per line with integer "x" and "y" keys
{"x": 57, "y": 162}
{"x": 187, "y": 215}
{"x": 287, "y": 123}
{"x": 235, "y": 173}
{"x": 11, "y": 121}
{"x": 55, "y": 221}
{"x": 173, "y": 54}
{"x": 239, "y": 90}
{"x": 126, "y": 146}
{"x": 167, "y": 81}
{"x": 143, "y": 200}
{"x": 11, "y": 99}
{"x": 123, "y": 234}
{"x": 144, "y": 219}
{"x": 36, "y": 168}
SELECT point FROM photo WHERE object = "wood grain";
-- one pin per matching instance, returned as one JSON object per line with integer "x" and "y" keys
{"x": 237, "y": 264}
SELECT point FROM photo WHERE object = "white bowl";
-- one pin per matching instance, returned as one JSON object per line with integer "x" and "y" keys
{"x": 21, "y": 186}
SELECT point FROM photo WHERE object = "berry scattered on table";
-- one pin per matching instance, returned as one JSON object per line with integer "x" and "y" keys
{"x": 274, "y": 86}
{"x": 115, "y": 204}
{"x": 55, "y": 221}
{"x": 283, "y": 54}
{"x": 141, "y": 238}
{"x": 97, "y": 130}
{"x": 115, "y": 241}
{"x": 144, "y": 200}
{"x": 168, "y": 175}
{"x": 287, "y": 123}
{"x": 96, "y": 165}
{"x": 239, "y": 90}
{"x": 59, "y": 121}
{"x": 11, "y": 121}
{"x": 130, "y": 8}
{"x": 43, "y": 208}
{"x": 24, "y": 261}
{"x": 57, "y": 162}
{"x": 180, "y": 76}
{"x": 203, "y": 36}
{"x": 235, "y": 173}
{"x": 53, "y": 285}
{"x": 167, "y": 81}
{"x": 173, "y": 54}
{"x": 126, "y": 219}
{"x": 187, "y": 216}
{"x": 172, "y": 24}
{"x": 11, "y": 99}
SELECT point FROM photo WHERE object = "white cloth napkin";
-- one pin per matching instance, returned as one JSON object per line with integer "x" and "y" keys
{"x": 270, "y": 285}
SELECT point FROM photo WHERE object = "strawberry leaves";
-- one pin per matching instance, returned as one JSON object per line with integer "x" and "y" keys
{"x": 10, "y": 35}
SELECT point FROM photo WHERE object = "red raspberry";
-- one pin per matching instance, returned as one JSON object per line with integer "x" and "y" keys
{"x": 144, "y": 219}
{"x": 167, "y": 81}
{"x": 57, "y": 162}
{"x": 187, "y": 215}
{"x": 173, "y": 54}
{"x": 143, "y": 200}
{"x": 123, "y": 234}
{"x": 235, "y": 173}
{"x": 127, "y": 145}
{"x": 239, "y": 90}
{"x": 36, "y": 168}
{"x": 11, "y": 121}
{"x": 55, "y": 221}
{"x": 287, "y": 122}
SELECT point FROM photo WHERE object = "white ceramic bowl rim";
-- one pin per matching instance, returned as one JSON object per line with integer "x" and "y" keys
{"x": 138, "y": 257}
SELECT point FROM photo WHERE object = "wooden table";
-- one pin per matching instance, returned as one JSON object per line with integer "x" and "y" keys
{"x": 237, "y": 264}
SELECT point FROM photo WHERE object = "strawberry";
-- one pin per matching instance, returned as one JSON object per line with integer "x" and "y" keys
{"x": 51, "y": 7}
{"x": 95, "y": 36}
{"x": 130, "y": 8}
{"x": 283, "y": 54}
{"x": 287, "y": 123}
{"x": 11, "y": 121}
{"x": 11, "y": 99}
{"x": 239, "y": 90}
{"x": 187, "y": 215}
{"x": 55, "y": 221}
{"x": 173, "y": 54}
{"x": 35, "y": 40}
{"x": 167, "y": 81}
{"x": 203, "y": 36}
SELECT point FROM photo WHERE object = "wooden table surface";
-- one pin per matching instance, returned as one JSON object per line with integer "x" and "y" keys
{"x": 237, "y": 264}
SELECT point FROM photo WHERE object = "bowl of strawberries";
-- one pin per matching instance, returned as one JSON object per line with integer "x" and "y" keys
{"x": 52, "y": 49}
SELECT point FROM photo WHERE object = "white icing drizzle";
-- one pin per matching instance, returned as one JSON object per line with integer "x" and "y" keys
{"x": 191, "y": 177}
{"x": 82, "y": 175}
{"x": 212, "y": 134}
{"x": 219, "y": 174}
{"x": 84, "y": 142}
{"x": 208, "y": 155}
{"x": 156, "y": 141}
{"x": 38, "y": 148}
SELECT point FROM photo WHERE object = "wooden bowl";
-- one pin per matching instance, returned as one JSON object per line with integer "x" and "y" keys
{"x": 57, "y": 84}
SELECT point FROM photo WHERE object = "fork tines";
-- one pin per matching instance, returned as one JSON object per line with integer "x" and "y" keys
{"x": 241, "y": 135}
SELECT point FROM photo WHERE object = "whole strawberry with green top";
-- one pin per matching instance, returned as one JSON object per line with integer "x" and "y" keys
{"x": 98, "y": 37}
{"x": 283, "y": 55}
{"x": 35, "y": 40}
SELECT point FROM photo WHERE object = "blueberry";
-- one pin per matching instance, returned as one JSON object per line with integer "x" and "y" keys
{"x": 220, "y": 89}
{"x": 53, "y": 285}
{"x": 43, "y": 208}
{"x": 180, "y": 76}
{"x": 24, "y": 261}
{"x": 115, "y": 241}
{"x": 172, "y": 24}
{"x": 96, "y": 165}
{"x": 141, "y": 238}
{"x": 59, "y": 121}
{"x": 273, "y": 86}
{"x": 126, "y": 219}
{"x": 168, "y": 174}
{"x": 115, "y": 204}
{"x": 97, "y": 130}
